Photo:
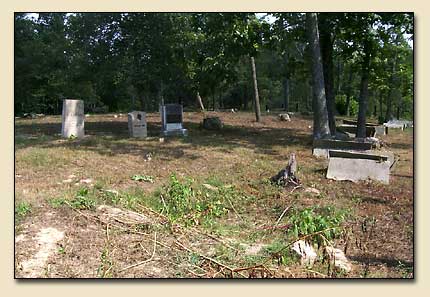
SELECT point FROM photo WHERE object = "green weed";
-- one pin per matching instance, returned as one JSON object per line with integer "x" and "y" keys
{"x": 105, "y": 268}
{"x": 324, "y": 221}
{"x": 145, "y": 178}
{"x": 21, "y": 210}
{"x": 83, "y": 200}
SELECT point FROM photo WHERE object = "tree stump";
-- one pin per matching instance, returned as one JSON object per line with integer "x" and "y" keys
{"x": 287, "y": 176}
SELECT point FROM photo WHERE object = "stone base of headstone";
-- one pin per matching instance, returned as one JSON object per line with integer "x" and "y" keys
{"x": 357, "y": 166}
{"x": 137, "y": 124}
{"x": 73, "y": 118}
{"x": 176, "y": 132}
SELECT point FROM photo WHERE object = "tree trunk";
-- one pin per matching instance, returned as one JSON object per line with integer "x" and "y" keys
{"x": 286, "y": 84}
{"x": 256, "y": 98}
{"x": 391, "y": 92}
{"x": 338, "y": 76}
{"x": 321, "y": 126}
{"x": 286, "y": 93}
{"x": 199, "y": 100}
{"x": 245, "y": 98}
{"x": 327, "y": 61}
{"x": 380, "y": 106}
{"x": 364, "y": 91}
{"x": 348, "y": 92}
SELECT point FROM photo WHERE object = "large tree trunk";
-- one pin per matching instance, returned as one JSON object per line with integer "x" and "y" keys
{"x": 256, "y": 98}
{"x": 199, "y": 100}
{"x": 321, "y": 126}
{"x": 326, "y": 40}
{"x": 348, "y": 91}
{"x": 364, "y": 91}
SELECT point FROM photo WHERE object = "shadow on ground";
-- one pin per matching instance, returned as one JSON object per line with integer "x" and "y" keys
{"x": 113, "y": 139}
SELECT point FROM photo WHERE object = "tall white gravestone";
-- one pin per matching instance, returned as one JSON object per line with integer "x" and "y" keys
{"x": 137, "y": 124}
{"x": 73, "y": 118}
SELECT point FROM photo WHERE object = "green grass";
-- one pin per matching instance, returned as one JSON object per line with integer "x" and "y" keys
{"x": 43, "y": 158}
{"x": 21, "y": 210}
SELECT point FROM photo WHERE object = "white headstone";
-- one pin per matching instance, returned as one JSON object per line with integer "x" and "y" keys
{"x": 73, "y": 118}
{"x": 137, "y": 124}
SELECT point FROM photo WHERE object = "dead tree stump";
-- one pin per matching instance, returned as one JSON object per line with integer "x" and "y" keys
{"x": 287, "y": 176}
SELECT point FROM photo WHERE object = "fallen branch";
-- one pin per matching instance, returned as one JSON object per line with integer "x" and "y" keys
{"x": 146, "y": 261}
{"x": 282, "y": 215}
{"x": 275, "y": 227}
{"x": 208, "y": 258}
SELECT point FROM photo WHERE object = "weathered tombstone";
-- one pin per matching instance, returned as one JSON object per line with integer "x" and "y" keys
{"x": 137, "y": 124}
{"x": 357, "y": 166}
{"x": 321, "y": 147}
{"x": 73, "y": 118}
{"x": 171, "y": 119}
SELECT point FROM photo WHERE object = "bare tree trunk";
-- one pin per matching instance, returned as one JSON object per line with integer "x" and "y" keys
{"x": 321, "y": 126}
{"x": 391, "y": 92}
{"x": 286, "y": 84}
{"x": 256, "y": 98}
{"x": 348, "y": 92}
{"x": 326, "y": 40}
{"x": 199, "y": 100}
{"x": 286, "y": 93}
{"x": 364, "y": 91}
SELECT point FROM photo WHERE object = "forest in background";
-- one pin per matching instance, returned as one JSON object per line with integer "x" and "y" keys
{"x": 117, "y": 62}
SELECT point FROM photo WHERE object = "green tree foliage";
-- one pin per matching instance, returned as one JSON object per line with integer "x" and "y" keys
{"x": 125, "y": 61}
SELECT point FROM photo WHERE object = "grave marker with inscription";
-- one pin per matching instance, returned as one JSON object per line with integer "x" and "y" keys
{"x": 137, "y": 124}
{"x": 171, "y": 119}
{"x": 73, "y": 118}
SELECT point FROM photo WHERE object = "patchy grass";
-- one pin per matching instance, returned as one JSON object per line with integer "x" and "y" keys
{"x": 22, "y": 209}
{"x": 210, "y": 200}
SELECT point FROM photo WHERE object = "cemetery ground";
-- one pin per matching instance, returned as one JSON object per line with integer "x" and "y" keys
{"x": 111, "y": 206}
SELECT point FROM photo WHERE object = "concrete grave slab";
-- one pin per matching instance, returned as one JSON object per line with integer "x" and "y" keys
{"x": 321, "y": 147}
{"x": 357, "y": 166}
{"x": 352, "y": 130}
{"x": 355, "y": 123}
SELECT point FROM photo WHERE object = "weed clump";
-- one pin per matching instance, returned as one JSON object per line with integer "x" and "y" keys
{"x": 319, "y": 224}
{"x": 21, "y": 210}
{"x": 192, "y": 204}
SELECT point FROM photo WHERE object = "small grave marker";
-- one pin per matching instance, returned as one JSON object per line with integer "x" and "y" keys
{"x": 137, "y": 124}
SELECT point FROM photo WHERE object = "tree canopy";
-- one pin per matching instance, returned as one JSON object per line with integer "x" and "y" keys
{"x": 125, "y": 61}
